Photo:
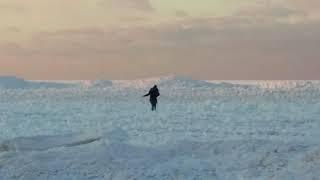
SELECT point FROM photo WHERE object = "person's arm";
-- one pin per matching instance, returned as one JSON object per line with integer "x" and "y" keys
{"x": 147, "y": 95}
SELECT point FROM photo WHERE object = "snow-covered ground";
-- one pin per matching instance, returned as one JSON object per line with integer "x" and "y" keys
{"x": 101, "y": 130}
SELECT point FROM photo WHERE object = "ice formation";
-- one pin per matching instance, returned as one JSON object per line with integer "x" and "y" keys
{"x": 98, "y": 130}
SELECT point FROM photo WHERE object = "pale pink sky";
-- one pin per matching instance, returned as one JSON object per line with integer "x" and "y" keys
{"x": 128, "y": 39}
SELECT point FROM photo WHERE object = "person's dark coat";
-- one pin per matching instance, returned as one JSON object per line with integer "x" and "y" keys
{"x": 154, "y": 94}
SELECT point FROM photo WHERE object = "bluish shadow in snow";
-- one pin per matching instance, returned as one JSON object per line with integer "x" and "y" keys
{"x": 41, "y": 143}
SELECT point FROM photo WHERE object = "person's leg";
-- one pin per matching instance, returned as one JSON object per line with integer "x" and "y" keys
{"x": 153, "y": 104}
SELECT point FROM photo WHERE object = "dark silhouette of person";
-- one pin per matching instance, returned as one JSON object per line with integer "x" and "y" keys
{"x": 154, "y": 94}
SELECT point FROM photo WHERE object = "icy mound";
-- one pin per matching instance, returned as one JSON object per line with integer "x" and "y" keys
{"x": 289, "y": 85}
{"x": 181, "y": 81}
{"x": 97, "y": 83}
{"x": 232, "y": 159}
{"x": 174, "y": 81}
{"x": 11, "y": 82}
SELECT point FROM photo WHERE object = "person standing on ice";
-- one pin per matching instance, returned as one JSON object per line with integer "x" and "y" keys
{"x": 154, "y": 94}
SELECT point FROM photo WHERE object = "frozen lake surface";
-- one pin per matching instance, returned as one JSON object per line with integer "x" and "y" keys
{"x": 101, "y": 130}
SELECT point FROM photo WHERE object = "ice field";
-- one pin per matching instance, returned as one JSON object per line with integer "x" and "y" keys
{"x": 203, "y": 130}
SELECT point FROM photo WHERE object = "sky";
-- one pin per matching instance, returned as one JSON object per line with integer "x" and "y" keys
{"x": 132, "y": 39}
